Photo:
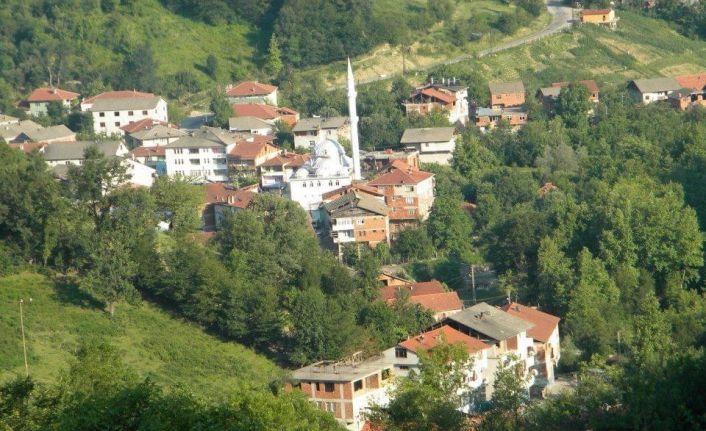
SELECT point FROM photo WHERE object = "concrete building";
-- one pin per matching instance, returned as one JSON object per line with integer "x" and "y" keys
{"x": 652, "y": 90}
{"x": 309, "y": 131}
{"x": 409, "y": 193}
{"x": 434, "y": 144}
{"x": 506, "y": 94}
{"x": 357, "y": 219}
{"x": 604, "y": 17}
{"x": 221, "y": 201}
{"x": 156, "y": 136}
{"x": 248, "y": 155}
{"x": 447, "y": 95}
{"x": 113, "y": 110}
{"x": 431, "y": 295}
{"x": 276, "y": 172}
{"x": 197, "y": 158}
{"x": 252, "y": 92}
{"x": 487, "y": 119}
{"x": 40, "y": 99}
{"x": 346, "y": 388}
{"x": 375, "y": 161}
{"x": 27, "y": 131}
{"x": 268, "y": 113}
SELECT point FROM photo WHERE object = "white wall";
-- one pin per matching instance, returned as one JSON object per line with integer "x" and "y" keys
{"x": 37, "y": 109}
{"x": 308, "y": 191}
{"x": 212, "y": 164}
{"x": 106, "y": 122}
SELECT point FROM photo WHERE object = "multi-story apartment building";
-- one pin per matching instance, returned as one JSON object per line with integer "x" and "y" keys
{"x": 113, "y": 110}
{"x": 197, "y": 158}
{"x": 434, "y": 144}
{"x": 356, "y": 218}
{"x": 409, "y": 193}
{"x": 309, "y": 131}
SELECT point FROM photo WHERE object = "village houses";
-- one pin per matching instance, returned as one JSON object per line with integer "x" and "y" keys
{"x": 603, "y": 17}
{"x": 431, "y": 295}
{"x": 252, "y": 92}
{"x": 276, "y": 172}
{"x": 376, "y": 161}
{"x": 448, "y": 95}
{"x": 40, "y": 99}
{"x": 506, "y": 103}
{"x": 268, "y": 113}
{"x": 653, "y": 90}
{"x": 434, "y": 144}
{"x": 548, "y": 96}
{"x": 251, "y": 125}
{"x": 309, "y": 131}
{"x": 114, "y": 109}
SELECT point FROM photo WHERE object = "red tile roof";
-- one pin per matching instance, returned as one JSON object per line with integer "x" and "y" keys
{"x": 544, "y": 323}
{"x": 292, "y": 160}
{"x": 264, "y": 112}
{"x": 46, "y": 94}
{"x": 439, "y": 302}
{"x": 400, "y": 176}
{"x": 148, "y": 151}
{"x": 355, "y": 186}
{"x": 432, "y": 92}
{"x": 389, "y": 293}
{"x": 595, "y": 11}
{"x": 251, "y": 150}
{"x": 219, "y": 193}
{"x": 430, "y": 339}
{"x": 145, "y": 123}
{"x": 250, "y": 88}
{"x": 124, "y": 94}
{"x": 692, "y": 82}
{"x": 28, "y": 147}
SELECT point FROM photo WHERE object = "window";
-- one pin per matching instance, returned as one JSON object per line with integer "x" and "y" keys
{"x": 193, "y": 150}
{"x": 410, "y": 212}
{"x": 328, "y": 387}
{"x": 410, "y": 188}
{"x": 101, "y": 114}
{"x": 219, "y": 161}
{"x": 336, "y": 182}
{"x": 400, "y": 352}
{"x": 386, "y": 374}
{"x": 404, "y": 367}
{"x": 318, "y": 387}
{"x": 304, "y": 184}
{"x": 116, "y": 113}
{"x": 129, "y": 113}
{"x": 357, "y": 385}
{"x": 331, "y": 407}
{"x": 144, "y": 112}
{"x": 117, "y": 124}
{"x": 410, "y": 201}
{"x": 361, "y": 221}
{"x": 195, "y": 161}
{"x": 102, "y": 124}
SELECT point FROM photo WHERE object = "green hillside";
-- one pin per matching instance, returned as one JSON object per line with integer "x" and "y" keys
{"x": 152, "y": 343}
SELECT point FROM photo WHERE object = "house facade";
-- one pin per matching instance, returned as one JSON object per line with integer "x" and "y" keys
{"x": 251, "y": 125}
{"x": 248, "y": 155}
{"x": 113, "y": 110}
{"x": 268, "y": 113}
{"x": 356, "y": 218}
{"x": 434, "y": 144}
{"x": 252, "y": 92}
{"x": 409, "y": 193}
{"x": 197, "y": 158}
{"x": 309, "y": 131}
{"x": 380, "y": 160}
{"x": 507, "y": 94}
{"x": 40, "y": 99}
{"x": 431, "y": 295}
{"x": 156, "y": 136}
{"x": 276, "y": 172}
{"x": 653, "y": 90}
{"x": 487, "y": 119}
{"x": 449, "y": 96}
{"x": 605, "y": 17}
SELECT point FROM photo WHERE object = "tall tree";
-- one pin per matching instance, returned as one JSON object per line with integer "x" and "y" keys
{"x": 274, "y": 64}
{"x": 179, "y": 201}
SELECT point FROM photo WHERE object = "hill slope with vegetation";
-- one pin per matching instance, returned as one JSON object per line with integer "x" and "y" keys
{"x": 149, "y": 341}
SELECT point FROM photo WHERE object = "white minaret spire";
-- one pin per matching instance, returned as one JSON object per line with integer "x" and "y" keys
{"x": 353, "y": 114}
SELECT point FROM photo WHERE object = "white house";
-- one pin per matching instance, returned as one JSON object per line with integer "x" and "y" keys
{"x": 252, "y": 92}
{"x": 434, "y": 144}
{"x": 197, "y": 158}
{"x": 40, "y": 98}
{"x": 29, "y": 131}
{"x": 653, "y": 90}
{"x": 115, "y": 109}
{"x": 309, "y": 131}
{"x": 276, "y": 172}
{"x": 447, "y": 95}
{"x": 59, "y": 155}
{"x": 156, "y": 136}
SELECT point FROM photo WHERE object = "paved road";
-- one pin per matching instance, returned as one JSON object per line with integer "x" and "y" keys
{"x": 561, "y": 20}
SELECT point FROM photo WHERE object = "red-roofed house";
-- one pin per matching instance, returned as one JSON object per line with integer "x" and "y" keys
{"x": 249, "y": 155}
{"x": 429, "y": 294}
{"x": 445, "y": 95}
{"x": 692, "y": 93}
{"x": 406, "y": 354}
{"x": 252, "y": 92}
{"x": 268, "y": 113}
{"x": 276, "y": 172}
{"x": 221, "y": 200}
{"x": 545, "y": 334}
{"x": 112, "y": 110}
{"x": 388, "y": 279}
{"x": 408, "y": 192}
{"x": 40, "y": 98}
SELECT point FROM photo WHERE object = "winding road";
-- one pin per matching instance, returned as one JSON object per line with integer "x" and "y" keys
{"x": 562, "y": 17}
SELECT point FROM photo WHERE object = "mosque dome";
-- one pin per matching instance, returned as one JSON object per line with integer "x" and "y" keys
{"x": 328, "y": 158}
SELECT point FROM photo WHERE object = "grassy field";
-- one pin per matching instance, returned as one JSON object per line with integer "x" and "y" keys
{"x": 641, "y": 47}
{"x": 151, "y": 342}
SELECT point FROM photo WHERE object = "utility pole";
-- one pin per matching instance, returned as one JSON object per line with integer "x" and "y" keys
{"x": 473, "y": 282}
{"x": 24, "y": 341}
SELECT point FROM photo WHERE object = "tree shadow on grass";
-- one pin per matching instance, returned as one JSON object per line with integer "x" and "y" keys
{"x": 68, "y": 292}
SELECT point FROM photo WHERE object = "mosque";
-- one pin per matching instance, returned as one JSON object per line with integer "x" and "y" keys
{"x": 328, "y": 168}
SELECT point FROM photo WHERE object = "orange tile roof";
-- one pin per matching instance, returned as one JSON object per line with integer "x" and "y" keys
{"x": 438, "y": 302}
{"x": 251, "y": 150}
{"x": 355, "y": 186}
{"x": 590, "y": 84}
{"x": 389, "y": 293}
{"x": 148, "y": 151}
{"x": 432, "y": 92}
{"x": 250, "y": 88}
{"x": 400, "y": 176}
{"x": 28, "y": 147}
{"x": 693, "y": 82}
{"x": 219, "y": 193}
{"x": 123, "y": 94}
{"x": 595, "y": 11}
{"x": 430, "y": 339}
{"x": 45, "y": 94}
{"x": 544, "y": 323}
{"x": 264, "y": 112}
{"x": 293, "y": 160}
{"x": 145, "y": 123}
